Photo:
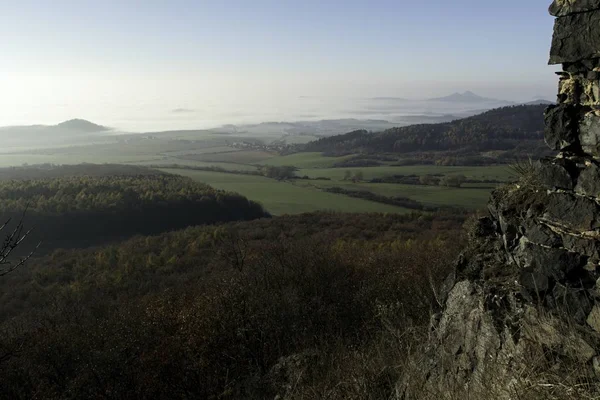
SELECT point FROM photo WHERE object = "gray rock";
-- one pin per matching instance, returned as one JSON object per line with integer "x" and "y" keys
{"x": 535, "y": 283}
{"x": 588, "y": 247}
{"x": 541, "y": 267}
{"x": 589, "y": 133}
{"x": 576, "y": 37}
{"x": 561, "y": 8}
{"x": 561, "y": 127}
{"x": 551, "y": 174}
{"x": 588, "y": 182}
{"x": 480, "y": 352}
{"x": 541, "y": 234}
{"x": 593, "y": 319}
{"x": 575, "y": 213}
{"x": 554, "y": 334}
{"x": 573, "y": 301}
{"x": 582, "y": 66}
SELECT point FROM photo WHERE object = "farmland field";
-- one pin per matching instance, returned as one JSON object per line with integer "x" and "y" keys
{"x": 429, "y": 195}
{"x": 283, "y": 197}
{"x": 501, "y": 172}
{"x": 306, "y": 160}
{"x": 279, "y": 197}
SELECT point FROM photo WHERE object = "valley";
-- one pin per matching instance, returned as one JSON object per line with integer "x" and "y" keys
{"x": 233, "y": 162}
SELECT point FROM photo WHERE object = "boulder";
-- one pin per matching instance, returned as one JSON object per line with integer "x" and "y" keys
{"x": 576, "y": 37}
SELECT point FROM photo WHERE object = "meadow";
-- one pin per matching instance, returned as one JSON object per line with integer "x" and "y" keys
{"x": 278, "y": 197}
{"x": 283, "y": 197}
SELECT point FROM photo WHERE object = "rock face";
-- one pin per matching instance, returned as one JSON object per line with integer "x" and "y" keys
{"x": 528, "y": 287}
{"x": 561, "y": 8}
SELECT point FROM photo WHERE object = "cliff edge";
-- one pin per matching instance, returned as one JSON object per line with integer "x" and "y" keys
{"x": 522, "y": 314}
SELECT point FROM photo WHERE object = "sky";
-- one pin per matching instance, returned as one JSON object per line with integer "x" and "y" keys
{"x": 111, "y": 59}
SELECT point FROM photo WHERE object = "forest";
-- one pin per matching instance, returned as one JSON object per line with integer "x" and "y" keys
{"x": 96, "y": 206}
{"x": 514, "y": 128}
{"x": 240, "y": 310}
{"x": 150, "y": 285}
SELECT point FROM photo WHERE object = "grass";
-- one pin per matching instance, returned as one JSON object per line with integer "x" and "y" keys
{"x": 278, "y": 197}
{"x": 500, "y": 172}
{"x": 306, "y": 160}
{"x": 284, "y": 198}
{"x": 193, "y": 163}
{"x": 234, "y": 156}
{"x": 473, "y": 198}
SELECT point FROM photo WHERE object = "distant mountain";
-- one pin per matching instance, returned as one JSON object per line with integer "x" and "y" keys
{"x": 402, "y": 99}
{"x": 81, "y": 125}
{"x": 325, "y": 127}
{"x": 72, "y": 132}
{"x": 502, "y": 129}
{"x": 469, "y": 97}
{"x": 67, "y": 127}
{"x": 539, "y": 101}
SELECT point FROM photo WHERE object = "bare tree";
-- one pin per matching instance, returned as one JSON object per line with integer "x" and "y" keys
{"x": 12, "y": 240}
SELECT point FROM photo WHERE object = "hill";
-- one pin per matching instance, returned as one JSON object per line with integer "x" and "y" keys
{"x": 468, "y": 97}
{"x": 81, "y": 125}
{"x": 67, "y": 133}
{"x": 503, "y": 129}
{"x": 70, "y": 126}
{"x": 538, "y": 102}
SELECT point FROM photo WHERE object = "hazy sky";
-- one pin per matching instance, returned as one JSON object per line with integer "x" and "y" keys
{"x": 92, "y": 58}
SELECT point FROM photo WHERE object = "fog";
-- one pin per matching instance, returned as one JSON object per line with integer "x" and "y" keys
{"x": 160, "y": 116}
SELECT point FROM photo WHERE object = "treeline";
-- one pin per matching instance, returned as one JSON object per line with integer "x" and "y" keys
{"x": 503, "y": 129}
{"x": 290, "y": 306}
{"x": 274, "y": 172}
{"x": 85, "y": 210}
{"x": 211, "y": 168}
{"x": 452, "y": 180}
{"x": 50, "y": 171}
{"x": 394, "y": 201}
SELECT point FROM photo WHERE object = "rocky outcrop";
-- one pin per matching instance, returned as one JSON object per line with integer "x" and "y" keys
{"x": 524, "y": 310}
{"x": 561, "y": 8}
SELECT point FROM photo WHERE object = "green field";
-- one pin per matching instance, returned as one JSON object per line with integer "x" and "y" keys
{"x": 501, "y": 172}
{"x": 282, "y": 197}
{"x": 306, "y": 160}
{"x": 234, "y": 156}
{"x": 429, "y": 195}
{"x": 291, "y": 197}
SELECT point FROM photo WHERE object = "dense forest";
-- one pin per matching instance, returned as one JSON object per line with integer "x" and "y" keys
{"x": 515, "y": 128}
{"x": 90, "y": 209}
{"x": 240, "y": 310}
{"x": 47, "y": 171}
